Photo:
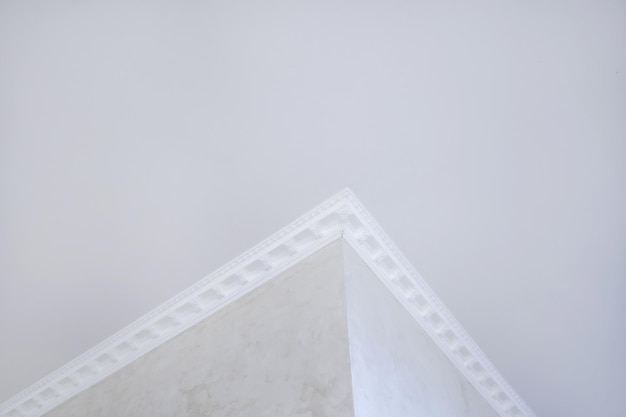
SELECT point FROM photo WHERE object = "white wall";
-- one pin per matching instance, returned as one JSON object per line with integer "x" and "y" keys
{"x": 323, "y": 339}
{"x": 397, "y": 370}
{"x": 281, "y": 351}
{"x": 145, "y": 143}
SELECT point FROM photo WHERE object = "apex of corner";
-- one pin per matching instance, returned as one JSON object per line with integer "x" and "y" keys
{"x": 346, "y": 194}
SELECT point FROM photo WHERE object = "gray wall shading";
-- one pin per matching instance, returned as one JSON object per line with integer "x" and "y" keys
{"x": 281, "y": 350}
{"x": 323, "y": 339}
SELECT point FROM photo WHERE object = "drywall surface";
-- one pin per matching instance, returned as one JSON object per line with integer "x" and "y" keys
{"x": 397, "y": 370}
{"x": 281, "y": 350}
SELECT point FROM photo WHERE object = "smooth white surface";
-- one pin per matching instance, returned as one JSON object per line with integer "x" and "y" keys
{"x": 143, "y": 145}
{"x": 279, "y": 351}
{"x": 397, "y": 370}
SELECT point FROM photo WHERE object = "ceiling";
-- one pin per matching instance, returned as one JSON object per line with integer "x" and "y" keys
{"x": 143, "y": 145}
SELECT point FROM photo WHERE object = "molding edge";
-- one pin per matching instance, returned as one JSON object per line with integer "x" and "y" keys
{"x": 342, "y": 216}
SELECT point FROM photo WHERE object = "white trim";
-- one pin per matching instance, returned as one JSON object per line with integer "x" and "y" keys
{"x": 340, "y": 216}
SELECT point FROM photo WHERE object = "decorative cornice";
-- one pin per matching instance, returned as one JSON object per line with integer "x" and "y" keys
{"x": 340, "y": 216}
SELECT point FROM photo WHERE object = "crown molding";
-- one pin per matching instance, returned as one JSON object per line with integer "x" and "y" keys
{"x": 342, "y": 216}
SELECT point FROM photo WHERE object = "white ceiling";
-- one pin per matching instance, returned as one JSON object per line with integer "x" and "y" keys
{"x": 144, "y": 145}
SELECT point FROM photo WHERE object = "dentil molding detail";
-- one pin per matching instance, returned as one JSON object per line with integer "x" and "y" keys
{"x": 342, "y": 216}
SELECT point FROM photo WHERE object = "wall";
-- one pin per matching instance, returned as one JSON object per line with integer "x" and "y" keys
{"x": 323, "y": 339}
{"x": 397, "y": 370}
{"x": 145, "y": 143}
{"x": 281, "y": 350}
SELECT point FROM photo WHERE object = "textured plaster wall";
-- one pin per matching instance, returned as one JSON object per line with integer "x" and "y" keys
{"x": 397, "y": 370}
{"x": 307, "y": 343}
{"x": 282, "y": 350}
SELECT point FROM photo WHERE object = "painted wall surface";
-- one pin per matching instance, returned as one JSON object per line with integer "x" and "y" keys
{"x": 281, "y": 350}
{"x": 143, "y": 144}
{"x": 397, "y": 370}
